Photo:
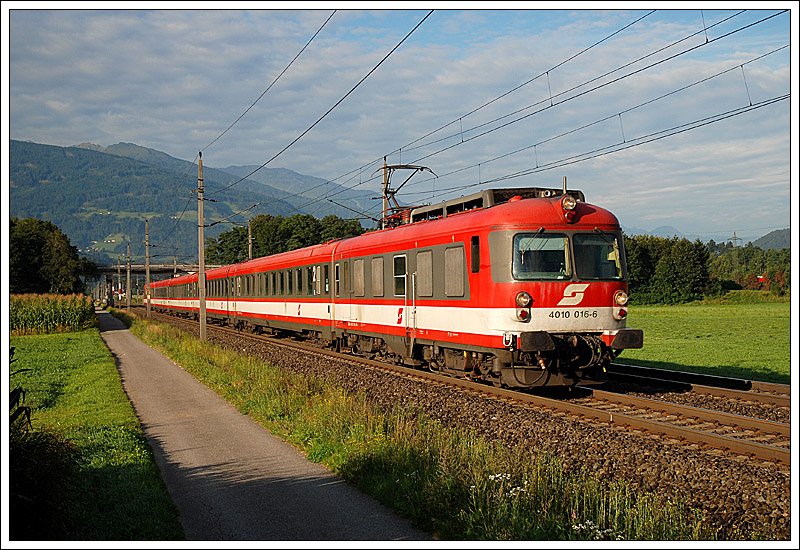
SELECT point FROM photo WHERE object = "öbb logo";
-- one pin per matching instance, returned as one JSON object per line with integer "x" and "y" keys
{"x": 573, "y": 294}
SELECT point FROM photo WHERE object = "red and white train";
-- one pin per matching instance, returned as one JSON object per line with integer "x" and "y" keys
{"x": 519, "y": 287}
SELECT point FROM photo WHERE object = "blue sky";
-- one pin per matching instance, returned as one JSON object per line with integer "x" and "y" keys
{"x": 694, "y": 135}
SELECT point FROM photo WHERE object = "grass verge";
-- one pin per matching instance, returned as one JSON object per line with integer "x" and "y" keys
{"x": 84, "y": 471}
{"x": 448, "y": 482}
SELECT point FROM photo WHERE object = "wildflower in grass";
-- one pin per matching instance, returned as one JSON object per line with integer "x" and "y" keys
{"x": 589, "y": 530}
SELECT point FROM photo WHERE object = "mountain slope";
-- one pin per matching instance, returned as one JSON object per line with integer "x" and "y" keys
{"x": 778, "y": 239}
{"x": 92, "y": 195}
{"x": 306, "y": 194}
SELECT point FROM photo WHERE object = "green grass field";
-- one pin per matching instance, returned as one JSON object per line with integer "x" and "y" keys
{"x": 743, "y": 340}
{"x": 75, "y": 394}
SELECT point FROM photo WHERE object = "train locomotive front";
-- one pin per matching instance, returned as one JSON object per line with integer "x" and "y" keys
{"x": 552, "y": 302}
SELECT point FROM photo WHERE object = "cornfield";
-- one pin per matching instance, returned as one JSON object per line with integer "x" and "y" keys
{"x": 44, "y": 313}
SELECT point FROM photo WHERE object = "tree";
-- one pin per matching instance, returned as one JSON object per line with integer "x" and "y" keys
{"x": 301, "y": 230}
{"x": 229, "y": 248}
{"x": 682, "y": 273}
{"x": 334, "y": 227}
{"x": 268, "y": 235}
{"x": 276, "y": 234}
{"x": 42, "y": 260}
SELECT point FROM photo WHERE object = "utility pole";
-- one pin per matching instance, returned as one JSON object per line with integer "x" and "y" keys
{"x": 128, "y": 281}
{"x": 249, "y": 240}
{"x": 201, "y": 253}
{"x": 385, "y": 194}
{"x": 119, "y": 275}
{"x": 147, "y": 266}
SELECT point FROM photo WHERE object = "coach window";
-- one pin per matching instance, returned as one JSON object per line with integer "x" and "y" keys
{"x": 454, "y": 271}
{"x": 326, "y": 279}
{"x": 475, "y": 253}
{"x": 336, "y": 275}
{"x": 399, "y": 275}
{"x": 377, "y": 276}
{"x": 298, "y": 276}
{"x": 289, "y": 278}
{"x": 310, "y": 281}
{"x": 425, "y": 273}
{"x": 358, "y": 277}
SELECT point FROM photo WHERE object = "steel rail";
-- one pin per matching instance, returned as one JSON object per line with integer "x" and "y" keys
{"x": 688, "y": 411}
{"x": 718, "y": 386}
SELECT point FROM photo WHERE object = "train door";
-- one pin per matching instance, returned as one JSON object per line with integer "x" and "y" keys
{"x": 327, "y": 269}
{"x": 403, "y": 290}
{"x": 227, "y": 298}
{"x": 411, "y": 323}
{"x": 236, "y": 287}
{"x": 342, "y": 291}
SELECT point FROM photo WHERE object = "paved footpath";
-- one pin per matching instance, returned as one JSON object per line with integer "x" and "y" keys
{"x": 230, "y": 478}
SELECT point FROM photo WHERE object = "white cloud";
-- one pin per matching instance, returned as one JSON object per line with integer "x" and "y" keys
{"x": 174, "y": 80}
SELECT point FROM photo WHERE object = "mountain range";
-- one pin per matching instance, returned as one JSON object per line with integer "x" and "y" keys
{"x": 101, "y": 196}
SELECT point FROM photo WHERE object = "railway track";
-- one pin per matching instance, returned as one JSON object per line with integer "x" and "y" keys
{"x": 710, "y": 430}
{"x": 731, "y": 388}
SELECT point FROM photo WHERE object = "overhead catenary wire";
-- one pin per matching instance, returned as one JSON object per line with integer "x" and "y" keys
{"x": 582, "y": 84}
{"x": 272, "y": 84}
{"x": 475, "y": 110}
{"x": 599, "y": 86}
{"x": 582, "y": 93}
{"x": 642, "y": 140}
{"x": 275, "y": 80}
{"x": 295, "y": 140}
{"x": 528, "y": 107}
{"x": 601, "y": 120}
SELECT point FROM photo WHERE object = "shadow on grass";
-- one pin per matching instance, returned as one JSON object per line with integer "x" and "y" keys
{"x": 56, "y": 492}
{"x": 730, "y": 371}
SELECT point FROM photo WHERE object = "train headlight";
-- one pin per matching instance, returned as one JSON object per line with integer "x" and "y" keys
{"x": 568, "y": 204}
{"x": 524, "y": 299}
{"x": 621, "y": 298}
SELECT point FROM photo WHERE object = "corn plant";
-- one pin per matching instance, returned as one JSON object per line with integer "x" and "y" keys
{"x": 46, "y": 313}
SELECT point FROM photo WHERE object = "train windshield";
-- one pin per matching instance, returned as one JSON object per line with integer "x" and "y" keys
{"x": 541, "y": 256}
{"x": 598, "y": 256}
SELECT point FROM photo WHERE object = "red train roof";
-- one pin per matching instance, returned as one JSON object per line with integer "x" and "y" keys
{"x": 520, "y": 213}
